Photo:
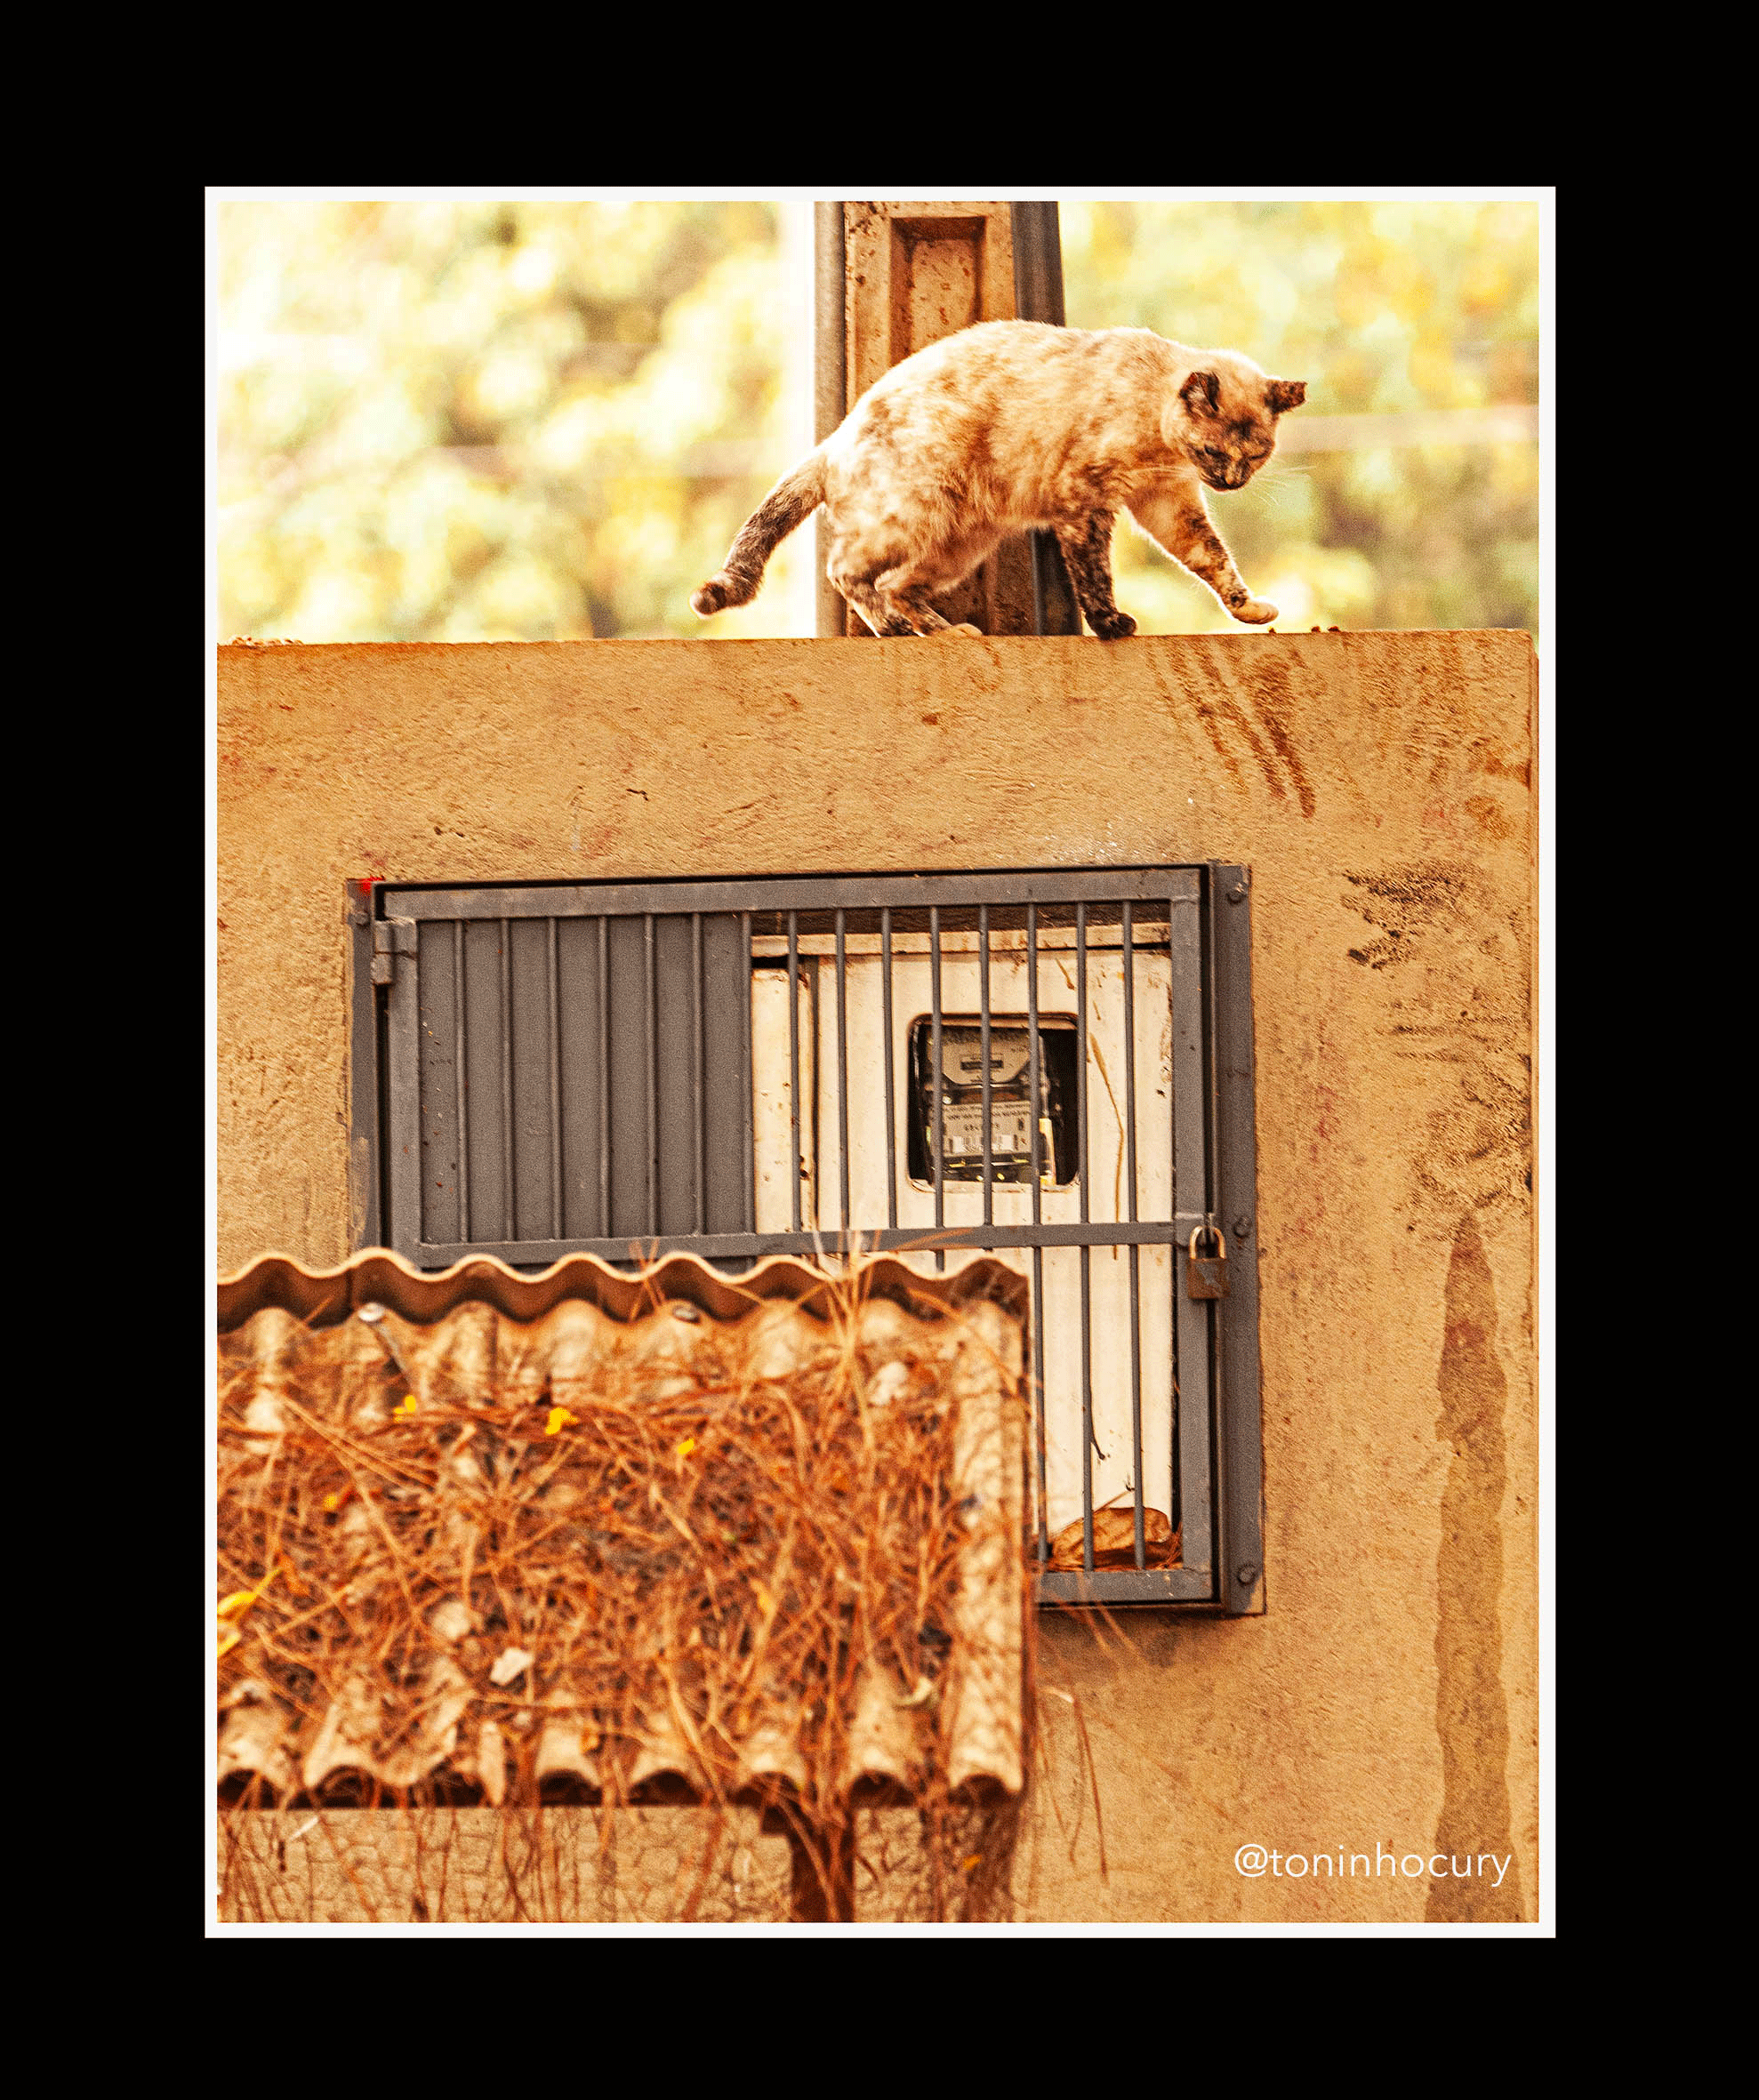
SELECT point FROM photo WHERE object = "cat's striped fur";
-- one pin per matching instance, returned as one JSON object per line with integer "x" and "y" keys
{"x": 1012, "y": 426}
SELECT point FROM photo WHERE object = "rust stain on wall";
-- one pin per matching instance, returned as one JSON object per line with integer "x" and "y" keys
{"x": 1254, "y": 711}
{"x": 1232, "y": 709}
{"x": 1270, "y": 693}
{"x": 1183, "y": 699}
{"x": 1470, "y": 1707}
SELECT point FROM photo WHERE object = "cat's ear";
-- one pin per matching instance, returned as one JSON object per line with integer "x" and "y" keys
{"x": 1201, "y": 394}
{"x": 1283, "y": 394}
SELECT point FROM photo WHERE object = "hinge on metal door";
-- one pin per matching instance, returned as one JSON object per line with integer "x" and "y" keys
{"x": 392, "y": 937}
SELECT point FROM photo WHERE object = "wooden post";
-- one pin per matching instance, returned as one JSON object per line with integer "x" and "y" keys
{"x": 911, "y": 273}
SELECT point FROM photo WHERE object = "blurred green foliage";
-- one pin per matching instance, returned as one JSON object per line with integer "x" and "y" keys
{"x": 467, "y": 423}
{"x": 535, "y": 420}
{"x": 1383, "y": 308}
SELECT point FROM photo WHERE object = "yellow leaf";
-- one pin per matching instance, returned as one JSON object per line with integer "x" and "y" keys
{"x": 332, "y": 1503}
{"x": 230, "y": 1640}
{"x": 766, "y": 1602}
{"x": 240, "y": 1601}
{"x": 975, "y": 1859}
{"x": 686, "y": 1447}
{"x": 560, "y": 1417}
{"x": 407, "y": 1404}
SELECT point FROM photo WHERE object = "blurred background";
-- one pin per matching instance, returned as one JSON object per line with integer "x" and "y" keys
{"x": 542, "y": 421}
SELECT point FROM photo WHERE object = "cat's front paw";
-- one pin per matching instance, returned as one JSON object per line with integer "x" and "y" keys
{"x": 1254, "y": 612}
{"x": 964, "y": 628}
{"x": 1112, "y": 626}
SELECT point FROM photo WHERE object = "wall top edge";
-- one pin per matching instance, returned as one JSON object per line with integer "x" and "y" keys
{"x": 1512, "y": 638}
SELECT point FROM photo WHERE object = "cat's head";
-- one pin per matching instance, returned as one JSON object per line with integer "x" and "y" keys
{"x": 1223, "y": 417}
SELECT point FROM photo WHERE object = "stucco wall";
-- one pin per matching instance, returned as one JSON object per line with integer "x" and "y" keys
{"x": 1381, "y": 787}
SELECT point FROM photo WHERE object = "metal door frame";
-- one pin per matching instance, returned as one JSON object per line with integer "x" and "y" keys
{"x": 1219, "y": 1439}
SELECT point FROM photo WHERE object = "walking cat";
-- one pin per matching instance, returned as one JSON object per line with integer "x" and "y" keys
{"x": 1014, "y": 425}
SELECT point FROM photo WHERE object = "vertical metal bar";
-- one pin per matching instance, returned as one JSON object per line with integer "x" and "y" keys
{"x": 935, "y": 999}
{"x": 603, "y": 1080}
{"x": 1082, "y": 1052}
{"x": 983, "y": 1028}
{"x": 1213, "y": 1204}
{"x": 1192, "y": 1443}
{"x": 510, "y": 1211}
{"x": 365, "y": 1121}
{"x": 891, "y": 1107}
{"x": 1038, "y": 1395}
{"x": 750, "y": 1072}
{"x": 1212, "y": 1128}
{"x": 1087, "y": 1251}
{"x": 403, "y": 1085}
{"x": 1038, "y": 1252}
{"x": 1033, "y": 1078}
{"x": 1038, "y": 296}
{"x": 555, "y": 1089}
{"x": 697, "y": 1099}
{"x": 1239, "y": 1455}
{"x": 651, "y": 1021}
{"x": 460, "y": 1046}
{"x": 842, "y": 1080}
{"x": 1038, "y": 263}
{"x": 1136, "y": 1252}
{"x": 794, "y": 1063}
{"x": 1129, "y": 1060}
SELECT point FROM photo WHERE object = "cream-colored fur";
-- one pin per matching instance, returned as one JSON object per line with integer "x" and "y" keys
{"x": 1014, "y": 426}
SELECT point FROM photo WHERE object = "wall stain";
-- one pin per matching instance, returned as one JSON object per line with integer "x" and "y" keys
{"x": 1226, "y": 718}
{"x": 1402, "y": 902}
{"x": 1457, "y": 978}
{"x": 1490, "y": 819}
{"x": 1270, "y": 692}
{"x": 1183, "y": 698}
{"x": 1471, "y": 1706}
{"x": 1266, "y": 762}
{"x": 1237, "y": 717}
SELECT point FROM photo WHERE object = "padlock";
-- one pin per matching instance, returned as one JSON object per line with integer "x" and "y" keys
{"x": 1206, "y": 1274}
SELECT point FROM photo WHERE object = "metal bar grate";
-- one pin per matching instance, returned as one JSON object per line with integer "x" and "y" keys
{"x": 1030, "y": 1065}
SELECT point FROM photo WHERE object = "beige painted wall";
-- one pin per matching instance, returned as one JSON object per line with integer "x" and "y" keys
{"x": 1381, "y": 787}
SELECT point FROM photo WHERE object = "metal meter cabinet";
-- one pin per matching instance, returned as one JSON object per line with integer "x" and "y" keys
{"x": 778, "y": 1065}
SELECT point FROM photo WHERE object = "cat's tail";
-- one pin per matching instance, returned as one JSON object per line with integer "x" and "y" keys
{"x": 789, "y": 503}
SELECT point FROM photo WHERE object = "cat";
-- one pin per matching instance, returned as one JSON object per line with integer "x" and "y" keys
{"x": 1015, "y": 425}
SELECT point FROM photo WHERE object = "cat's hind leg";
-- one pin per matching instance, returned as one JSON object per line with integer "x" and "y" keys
{"x": 874, "y": 606}
{"x": 895, "y": 613}
{"x": 925, "y": 620}
{"x": 1086, "y": 555}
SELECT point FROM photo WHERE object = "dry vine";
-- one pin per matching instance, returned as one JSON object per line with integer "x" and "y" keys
{"x": 704, "y": 1557}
